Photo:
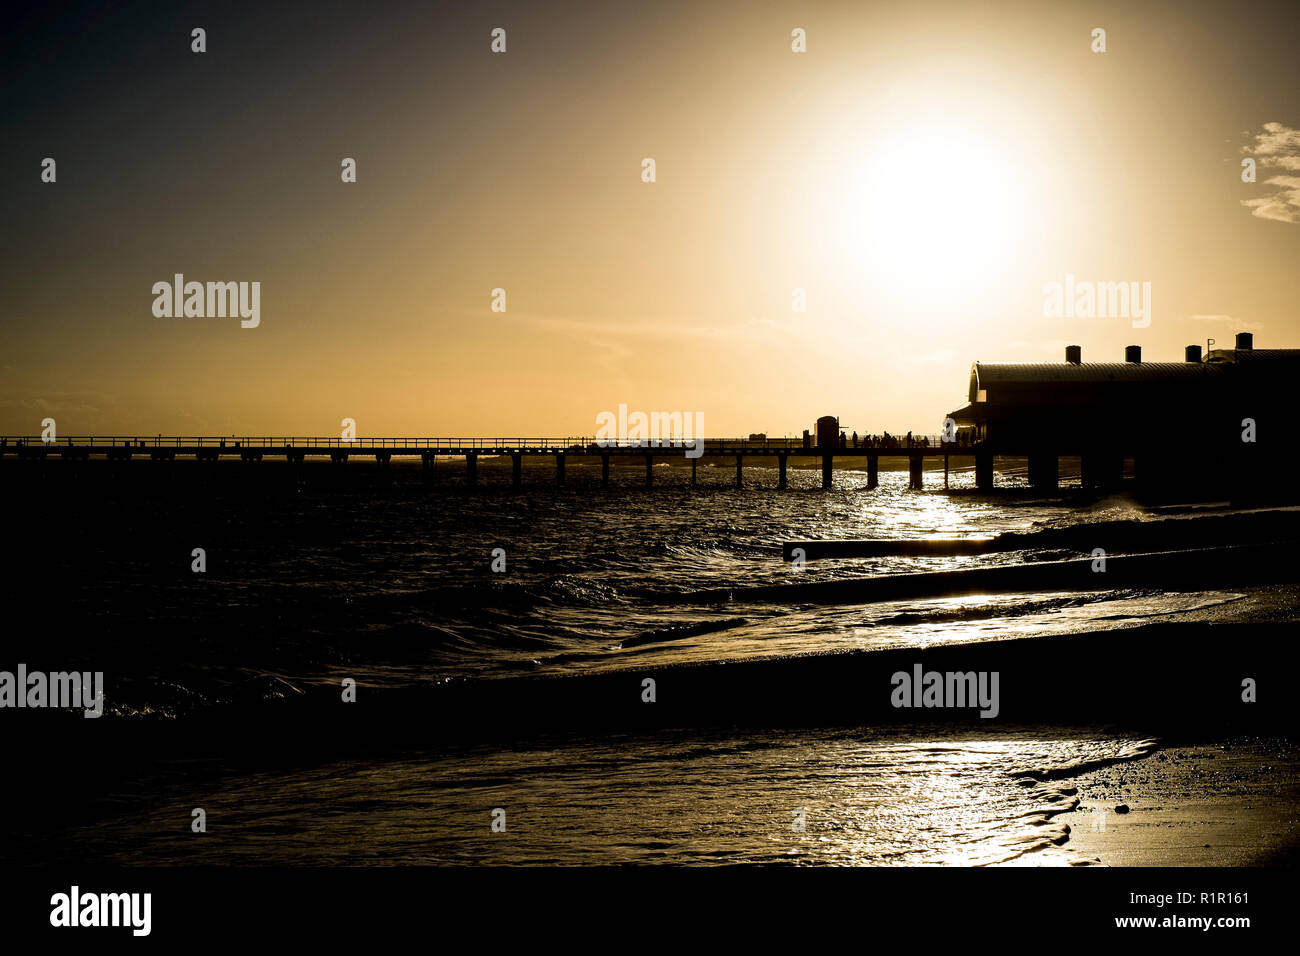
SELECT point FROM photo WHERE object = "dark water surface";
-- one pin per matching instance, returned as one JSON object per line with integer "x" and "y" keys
{"x": 345, "y": 574}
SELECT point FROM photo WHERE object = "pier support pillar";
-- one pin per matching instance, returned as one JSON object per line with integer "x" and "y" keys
{"x": 471, "y": 470}
{"x": 516, "y": 469}
{"x": 945, "y": 472}
{"x": 382, "y": 459}
{"x": 1102, "y": 471}
{"x": 984, "y": 470}
{"x": 873, "y": 471}
{"x": 781, "y": 480}
{"x": 826, "y": 470}
{"x": 693, "y": 463}
{"x": 426, "y": 467}
{"x": 295, "y": 460}
{"x": 649, "y": 470}
{"x": 915, "y": 464}
{"x": 559, "y": 468}
{"x": 740, "y": 478}
{"x": 1044, "y": 472}
{"x": 604, "y": 471}
{"x": 1113, "y": 473}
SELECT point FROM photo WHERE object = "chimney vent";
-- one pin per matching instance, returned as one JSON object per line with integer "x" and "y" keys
{"x": 1133, "y": 353}
{"x": 1074, "y": 354}
{"x": 1245, "y": 341}
{"x": 1193, "y": 353}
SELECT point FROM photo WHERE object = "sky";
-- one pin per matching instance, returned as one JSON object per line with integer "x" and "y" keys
{"x": 922, "y": 172}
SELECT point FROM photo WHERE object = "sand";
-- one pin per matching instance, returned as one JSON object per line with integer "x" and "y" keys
{"x": 1229, "y": 803}
{"x": 1233, "y": 802}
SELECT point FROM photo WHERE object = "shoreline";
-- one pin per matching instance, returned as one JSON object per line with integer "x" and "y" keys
{"x": 1226, "y": 803}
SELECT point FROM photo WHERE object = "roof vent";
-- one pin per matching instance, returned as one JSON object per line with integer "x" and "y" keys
{"x": 1074, "y": 354}
{"x": 1245, "y": 341}
{"x": 1133, "y": 353}
{"x": 1193, "y": 353}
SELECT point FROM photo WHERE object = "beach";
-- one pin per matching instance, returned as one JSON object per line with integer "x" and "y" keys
{"x": 1226, "y": 803}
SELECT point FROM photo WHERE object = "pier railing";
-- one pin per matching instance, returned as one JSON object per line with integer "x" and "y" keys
{"x": 296, "y": 448}
{"x": 583, "y": 443}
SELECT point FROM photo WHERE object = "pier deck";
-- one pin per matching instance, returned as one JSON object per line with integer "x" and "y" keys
{"x": 296, "y": 449}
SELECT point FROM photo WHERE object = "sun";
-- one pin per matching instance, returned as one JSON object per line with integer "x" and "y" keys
{"x": 929, "y": 210}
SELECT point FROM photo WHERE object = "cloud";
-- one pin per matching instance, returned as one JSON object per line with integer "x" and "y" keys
{"x": 1277, "y": 147}
{"x": 1281, "y": 206}
{"x": 85, "y": 404}
{"x": 1238, "y": 324}
{"x": 618, "y": 340}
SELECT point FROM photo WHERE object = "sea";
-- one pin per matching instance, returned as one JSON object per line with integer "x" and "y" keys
{"x": 201, "y": 590}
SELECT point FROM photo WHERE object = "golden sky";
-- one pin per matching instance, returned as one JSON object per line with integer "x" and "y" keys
{"x": 921, "y": 172}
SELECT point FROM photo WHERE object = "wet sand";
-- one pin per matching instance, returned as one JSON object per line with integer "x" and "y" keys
{"x": 1231, "y": 803}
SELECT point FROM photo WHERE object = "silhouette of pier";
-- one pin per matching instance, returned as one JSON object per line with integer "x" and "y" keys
{"x": 297, "y": 449}
{"x": 1222, "y": 413}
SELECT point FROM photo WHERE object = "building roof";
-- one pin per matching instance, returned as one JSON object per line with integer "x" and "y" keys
{"x": 966, "y": 414}
{"x": 986, "y": 375}
{"x": 1244, "y": 356}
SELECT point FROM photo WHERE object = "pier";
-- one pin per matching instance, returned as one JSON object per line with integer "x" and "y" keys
{"x": 1216, "y": 421}
{"x": 296, "y": 449}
